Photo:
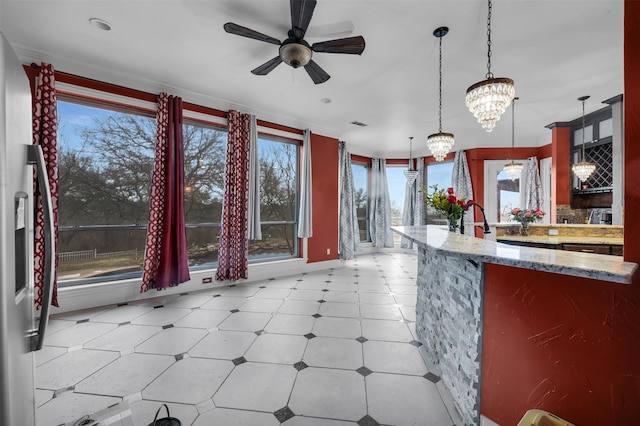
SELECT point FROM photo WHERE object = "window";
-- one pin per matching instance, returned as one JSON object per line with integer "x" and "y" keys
{"x": 204, "y": 163}
{"x": 397, "y": 188}
{"x": 361, "y": 198}
{"x": 278, "y": 199}
{"x": 105, "y": 166}
{"x": 437, "y": 174}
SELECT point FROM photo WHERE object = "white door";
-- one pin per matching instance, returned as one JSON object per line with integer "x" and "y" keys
{"x": 501, "y": 194}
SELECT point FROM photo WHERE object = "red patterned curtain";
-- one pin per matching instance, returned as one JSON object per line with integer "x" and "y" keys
{"x": 233, "y": 262}
{"x": 166, "y": 262}
{"x": 45, "y": 134}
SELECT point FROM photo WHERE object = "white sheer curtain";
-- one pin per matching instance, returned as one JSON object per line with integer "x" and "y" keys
{"x": 305, "y": 223}
{"x": 461, "y": 183}
{"x": 380, "y": 213}
{"x": 349, "y": 234}
{"x": 533, "y": 185}
{"x": 413, "y": 210}
{"x": 255, "y": 231}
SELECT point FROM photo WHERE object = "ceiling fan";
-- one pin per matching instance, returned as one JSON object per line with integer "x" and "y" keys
{"x": 296, "y": 52}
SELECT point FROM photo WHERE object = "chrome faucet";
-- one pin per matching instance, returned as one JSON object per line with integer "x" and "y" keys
{"x": 484, "y": 217}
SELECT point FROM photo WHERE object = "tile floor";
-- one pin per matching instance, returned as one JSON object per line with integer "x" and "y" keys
{"x": 330, "y": 348}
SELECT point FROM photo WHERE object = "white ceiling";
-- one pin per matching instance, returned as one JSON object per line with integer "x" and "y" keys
{"x": 555, "y": 50}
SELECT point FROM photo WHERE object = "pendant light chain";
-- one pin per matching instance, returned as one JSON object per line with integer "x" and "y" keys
{"x": 489, "y": 73}
{"x": 583, "y": 131}
{"x": 440, "y": 90}
{"x": 513, "y": 126}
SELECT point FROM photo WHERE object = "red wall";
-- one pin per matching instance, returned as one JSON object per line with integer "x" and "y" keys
{"x": 567, "y": 345}
{"x": 324, "y": 174}
{"x": 570, "y": 345}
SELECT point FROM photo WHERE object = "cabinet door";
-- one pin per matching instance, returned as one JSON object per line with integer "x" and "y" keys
{"x": 588, "y": 248}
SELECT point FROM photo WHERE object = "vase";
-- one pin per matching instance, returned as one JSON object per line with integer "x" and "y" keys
{"x": 453, "y": 224}
{"x": 524, "y": 229}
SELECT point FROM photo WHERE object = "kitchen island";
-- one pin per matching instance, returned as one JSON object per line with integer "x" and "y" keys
{"x": 451, "y": 299}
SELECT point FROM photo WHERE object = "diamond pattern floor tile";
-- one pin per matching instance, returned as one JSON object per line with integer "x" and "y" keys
{"x": 126, "y": 375}
{"x": 189, "y": 381}
{"x": 327, "y": 348}
{"x": 258, "y": 387}
{"x": 322, "y": 392}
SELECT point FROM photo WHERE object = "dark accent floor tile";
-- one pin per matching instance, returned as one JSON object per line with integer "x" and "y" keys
{"x": 309, "y": 335}
{"x": 184, "y": 294}
{"x": 124, "y": 323}
{"x": 328, "y": 281}
{"x": 416, "y": 343}
{"x": 263, "y": 286}
{"x": 82, "y": 320}
{"x": 300, "y": 366}
{"x": 179, "y": 357}
{"x": 325, "y": 289}
{"x": 316, "y": 315}
{"x": 432, "y": 377}
{"x": 232, "y": 285}
{"x": 233, "y": 311}
{"x": 238, "y": 361}
{"x": 272, "y": 279}
{"x": 259, "y": 332}
{"x": 164, "y": 327}
{"x": 364, "y": 371}
{"x": 367, "y": 421}
{"x": 284, "y": 414}
{"x": 216, "y": 295}
{"x": 321, "y": 301}
{"x": 299, "y": 280}
{"x": 158, "y": 307}
{"x": 122, "y": 304}
{"x": 195, "y": 307}
{"x": 362, "y": 339}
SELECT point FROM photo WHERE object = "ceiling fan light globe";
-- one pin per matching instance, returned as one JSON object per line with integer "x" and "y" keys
{"x": 295, "y": 54}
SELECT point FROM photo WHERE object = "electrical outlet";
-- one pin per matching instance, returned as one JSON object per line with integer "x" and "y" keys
{"x": 328, "y": 251}
{"x": 553, "y": 232}
{"x": 207, "y": 280}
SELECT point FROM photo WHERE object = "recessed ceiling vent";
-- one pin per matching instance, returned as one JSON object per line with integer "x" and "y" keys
{"x": 358, "y": 123}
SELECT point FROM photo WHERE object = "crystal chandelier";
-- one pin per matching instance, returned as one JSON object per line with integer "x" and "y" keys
{"x": 583, "y": 169}
{"x": 410, "y": 174}
{"x": 440, "y": 143}
{"x": 513, "y": 169}
{"x": 488, "y": 99}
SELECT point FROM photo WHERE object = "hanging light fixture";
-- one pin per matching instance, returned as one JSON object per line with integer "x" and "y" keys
{"x": 583, "y": 169}
{"x": 513, "y": 169}
{"x": 488, "y": 99}
{"x": 410, "y": 174}
{"x": 440, "y": 143}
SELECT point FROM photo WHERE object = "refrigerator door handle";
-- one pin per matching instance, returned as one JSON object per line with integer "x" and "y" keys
{"x": 36, "y": 157}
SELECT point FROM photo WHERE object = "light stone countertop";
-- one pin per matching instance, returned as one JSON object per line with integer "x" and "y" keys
{"x": 597, "y": 266}
{"x": 546, "y": 239}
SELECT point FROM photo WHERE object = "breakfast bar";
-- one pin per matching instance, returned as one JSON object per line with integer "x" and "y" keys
{"x": 450, "y": 306}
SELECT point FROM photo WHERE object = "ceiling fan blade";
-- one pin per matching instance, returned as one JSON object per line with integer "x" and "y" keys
{"x": 317, "y": 74}
{"x": 301, "y": 13}
{"x": 236, "y": 29}
{"x": 267, "y": 67}
{"x": 349, "y": 45}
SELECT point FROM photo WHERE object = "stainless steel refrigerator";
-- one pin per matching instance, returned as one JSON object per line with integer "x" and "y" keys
{"x": 21, "y": 333}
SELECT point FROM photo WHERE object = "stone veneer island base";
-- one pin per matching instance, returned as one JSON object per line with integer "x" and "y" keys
{"x": 450, "y": 299}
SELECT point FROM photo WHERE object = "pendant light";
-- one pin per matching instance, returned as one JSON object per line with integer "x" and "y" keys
{"x": 513, "y": 169}
{"x": 410, "y": 174}
{"x": 440, "y": 143}
{"x": 583, "y": 169}
{"x": 488, "y": 99}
